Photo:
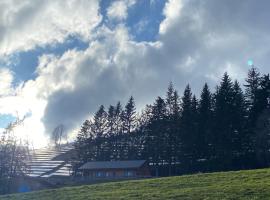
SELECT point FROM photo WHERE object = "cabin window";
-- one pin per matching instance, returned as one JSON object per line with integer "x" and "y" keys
{"x": 129, "y": 173}
{"x": 99, "y": 174}
{"x": 108, "y": 174}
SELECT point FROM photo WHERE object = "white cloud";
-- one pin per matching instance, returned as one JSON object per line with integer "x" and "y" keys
{"x": 172, "y": 11}
{"x": 24, "y": 100}
{"x": 27, "y": 24}
{"x": 119, "y": 9}
{"x": 193, "y": 46}
{"x": 6, "y": 79}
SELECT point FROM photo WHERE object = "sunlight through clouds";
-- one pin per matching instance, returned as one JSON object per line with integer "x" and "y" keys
{"x": 190, "y": 45}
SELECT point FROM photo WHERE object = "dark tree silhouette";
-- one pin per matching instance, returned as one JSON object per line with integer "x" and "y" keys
{"x": 226, "y": 130}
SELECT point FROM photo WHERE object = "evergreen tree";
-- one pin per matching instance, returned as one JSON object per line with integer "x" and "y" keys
{"x": 118, "y": 118}
{"x": 111, "y": 121}
{"x": 99, "y": 130}
{"x": 143, "y": 130}
{"x": 173, "y": 117}
{"x": 187, "y": 131}
{"x": 251, "y": 93}
{"x": 262, "y": 142}
{"x": 262, "y": 96}
{"x": 129, "y": 125}
{"x": 156, "y": 131}
{"x": 129, "y": 116}
{"x": 204, "y": 139}
{"x": 170, "y": 101}
{"x": 195, "y": 132}
{"x": 223, "y": 128}
{"x": 84, "y": 143}
{"x": 99, "y": 127}
{"x": 240, "y": 140}
{"x": 252, "y": 85}
{"x": 261, "y": 117}
{"x": 111, "y": 134}
{"x": 117, "y": 152}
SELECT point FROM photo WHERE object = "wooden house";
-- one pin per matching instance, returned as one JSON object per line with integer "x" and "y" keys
{"x": 115, "y": 169}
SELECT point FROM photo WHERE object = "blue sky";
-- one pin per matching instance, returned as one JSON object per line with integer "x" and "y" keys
{"x": 25, "y": 62}
{"x": 5, "y": 120}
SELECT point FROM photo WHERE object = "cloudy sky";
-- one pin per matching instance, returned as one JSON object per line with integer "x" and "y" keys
{"x": 59, "y": 60}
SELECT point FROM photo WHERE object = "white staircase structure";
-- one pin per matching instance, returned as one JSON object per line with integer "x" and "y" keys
{"x": 45, "y": 162}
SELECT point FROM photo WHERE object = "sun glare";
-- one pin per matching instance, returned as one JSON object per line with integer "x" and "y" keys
{"x": 33, "y": 134}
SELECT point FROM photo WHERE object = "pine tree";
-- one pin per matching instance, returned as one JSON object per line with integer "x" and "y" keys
{"x": 252, "y": 85}
{"x": 111, "y": 134}
{"x": 156, "y": 132}
{"x": 118, "y": 119}
{"x": 240, "y": 140}
{"x": 129, "y": 116}
{"x": 99, "y": 130}
{"x": 261, "y": 110}
{"x": 170, "y": 100}
{"x": 143, "y": 130}
{"x": 204, "y": 139}
{"x": 186, "y": 128}
{"x": 129, "y": 125}
{"x": 117, "y": 152}
{"x": 173, "y": 117}
{"x": 83, "y": 144}
{"x": 262, "y": 142}
{"x": 195, "y": 132}
{"x": 223, "y": 129}
{"x": 111, "y": 121}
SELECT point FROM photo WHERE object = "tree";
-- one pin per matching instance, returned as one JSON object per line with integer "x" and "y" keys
{"x": 252, "y": 85}
{"x": 14, "y": 154}
{"x": 118, "y": 118}
{"x": 195, "y": 132}
{"x": 155, "y": 135}
{"x": 173, "y": 118}
{"x": 204, "y": 139}
{"x": 262, "y": 142}
{"x": 99, "y": 131}
{"x": 240, "y": 140}
{"x": 99, "y": 127}
{"x": 117, "y": 151}
{"x": 129, "y": 124}
{"x": 83, "y": 144}
{"x": 187, "y": 130}
{"x": 223, "y": 129}
{"x": 57, "y": 135}
{"x": 129, "y": 116}
{"x": 111, "y": 121}
{"x": 261, "y": 117}
{"x": 172, "y": 101}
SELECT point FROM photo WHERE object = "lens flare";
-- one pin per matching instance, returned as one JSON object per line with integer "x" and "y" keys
{"x": 250, "y": 62}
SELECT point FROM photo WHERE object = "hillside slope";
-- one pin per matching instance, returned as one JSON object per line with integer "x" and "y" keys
{"x": 251, "y": 184}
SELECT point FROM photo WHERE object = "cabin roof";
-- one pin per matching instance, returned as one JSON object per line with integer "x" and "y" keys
{"x": 113, "y": 164}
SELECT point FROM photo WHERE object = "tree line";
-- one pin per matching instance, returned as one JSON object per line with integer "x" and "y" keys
{"x": 228, "y": 129}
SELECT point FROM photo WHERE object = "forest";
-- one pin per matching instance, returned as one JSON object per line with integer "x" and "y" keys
{"x": 228, "y": 129}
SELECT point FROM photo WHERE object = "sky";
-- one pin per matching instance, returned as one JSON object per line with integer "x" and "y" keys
{"x": 60, "y": 60}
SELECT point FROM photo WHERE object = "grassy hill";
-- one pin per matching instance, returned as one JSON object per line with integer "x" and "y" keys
{"x": 251, "y": 184}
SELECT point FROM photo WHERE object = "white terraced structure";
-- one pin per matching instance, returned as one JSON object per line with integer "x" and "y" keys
{"x": 46, "y": 163}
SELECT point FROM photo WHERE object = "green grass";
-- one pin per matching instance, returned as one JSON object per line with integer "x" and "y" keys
{"x": 251, "y": 184}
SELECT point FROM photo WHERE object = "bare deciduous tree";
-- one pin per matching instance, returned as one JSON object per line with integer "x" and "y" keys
{"x": 14, "y": 154}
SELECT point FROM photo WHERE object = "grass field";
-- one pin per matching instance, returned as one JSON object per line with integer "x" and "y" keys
{"x": 252, "y": 184}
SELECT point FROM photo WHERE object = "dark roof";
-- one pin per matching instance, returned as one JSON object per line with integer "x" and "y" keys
{"x": 113, "y": 164}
